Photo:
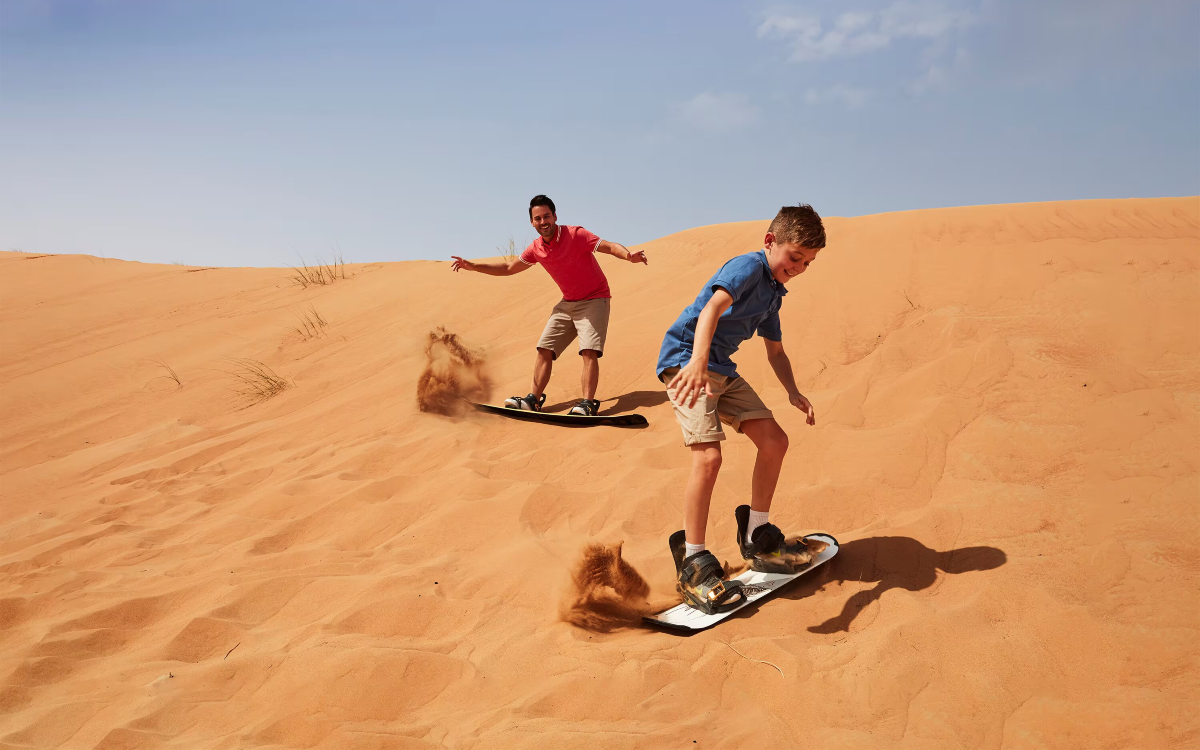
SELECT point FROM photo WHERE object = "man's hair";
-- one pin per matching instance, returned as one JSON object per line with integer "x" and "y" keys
{"x": 799, "y": 224}
{"x": 541, "y": 200}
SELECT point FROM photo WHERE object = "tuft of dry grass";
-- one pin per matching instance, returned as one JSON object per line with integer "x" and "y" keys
{"x": 171, "y": 375}
{"x": 510, "y": 251}
{"x": 256, "y": 381}
{"x": 321, "y": 273}
{"x": 311, "y": 323}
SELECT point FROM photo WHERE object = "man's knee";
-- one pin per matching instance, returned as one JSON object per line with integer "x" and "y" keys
{"x": 591, "y": 354}
{"x": 777, "y": 439}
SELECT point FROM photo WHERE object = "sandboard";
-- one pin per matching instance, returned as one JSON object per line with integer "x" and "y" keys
{"x": 685, "y": 617}
{"x": 573, "y": 420}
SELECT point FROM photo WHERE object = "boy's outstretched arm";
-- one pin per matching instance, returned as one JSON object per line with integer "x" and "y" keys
{"x": 516, "y": 265}
{"x": 692, "y": 378}
{"x": 622, "y": 252}
{"x": 783, "y": 370}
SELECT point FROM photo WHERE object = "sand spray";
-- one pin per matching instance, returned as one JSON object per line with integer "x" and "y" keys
{"x": 453, "y": 375}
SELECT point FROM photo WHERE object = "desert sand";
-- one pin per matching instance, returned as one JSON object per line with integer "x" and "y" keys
{"x": 1008, "y": 419}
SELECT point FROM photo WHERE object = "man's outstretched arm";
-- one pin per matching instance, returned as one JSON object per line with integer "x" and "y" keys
{"x": 622, "y": 252}
{"x": 516, "y": 265}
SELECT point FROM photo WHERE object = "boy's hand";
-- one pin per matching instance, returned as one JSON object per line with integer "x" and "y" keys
{"x": 800, "y": 402}
{"x": 461, "y": 264}
{"x": 638, "y": 257}
{"x": 691, "y": 381}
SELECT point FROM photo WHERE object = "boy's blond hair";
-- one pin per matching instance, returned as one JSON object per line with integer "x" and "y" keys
{"x": 799, "y": 224}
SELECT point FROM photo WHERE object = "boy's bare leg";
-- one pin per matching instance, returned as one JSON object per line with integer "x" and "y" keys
{"x": 706, "y": 463}
{"x": 591, "y": 372}
{"x": 772, "y": 443}
{"x": 542, "y": 367}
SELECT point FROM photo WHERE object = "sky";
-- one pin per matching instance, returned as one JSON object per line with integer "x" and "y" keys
{"x": 237, "y": 133}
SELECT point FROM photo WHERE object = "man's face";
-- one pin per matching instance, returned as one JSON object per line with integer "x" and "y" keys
{"x": 542, "y": 219}
{"x": 788, "y": 259}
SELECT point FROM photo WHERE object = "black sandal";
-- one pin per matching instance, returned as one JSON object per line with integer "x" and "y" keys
{"x": 586, "y": 408}
{"x": 526, "y": 403}
{"x": 700, "y": 580}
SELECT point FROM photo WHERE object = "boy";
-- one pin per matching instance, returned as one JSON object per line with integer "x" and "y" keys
{"x": 743, "y": 297}
{"x": 569, "y": 255}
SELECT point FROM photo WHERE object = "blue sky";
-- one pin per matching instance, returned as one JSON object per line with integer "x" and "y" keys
{"x": 247, "y": 132}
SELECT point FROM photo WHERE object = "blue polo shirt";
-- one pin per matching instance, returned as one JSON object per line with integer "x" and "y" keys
{"x": 757, "y": 297}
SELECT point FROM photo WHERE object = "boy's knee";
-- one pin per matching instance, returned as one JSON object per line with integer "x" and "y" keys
{"x": 775, "y": 441}
{"x": 708, "y": 458}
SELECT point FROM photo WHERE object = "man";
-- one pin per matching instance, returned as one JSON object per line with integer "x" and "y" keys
{"x": 568, "y": 254}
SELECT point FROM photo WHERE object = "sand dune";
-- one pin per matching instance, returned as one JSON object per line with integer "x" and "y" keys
{"x": 1008, "y": 419}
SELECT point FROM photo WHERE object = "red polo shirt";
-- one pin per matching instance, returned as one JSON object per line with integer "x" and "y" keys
{"x": 570, "y": 259}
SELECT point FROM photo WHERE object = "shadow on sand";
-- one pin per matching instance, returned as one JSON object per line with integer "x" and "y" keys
{"x": 891, "y": 562}
{"x": 619, "y": 404}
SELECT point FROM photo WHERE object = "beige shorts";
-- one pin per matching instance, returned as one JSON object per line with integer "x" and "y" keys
{"x": 733, "y": 402}
{"x": 587, "y": 318}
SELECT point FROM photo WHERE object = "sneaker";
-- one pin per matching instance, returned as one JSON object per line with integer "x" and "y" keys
{"x": 768, "y": 551}
{"x": 586, "y": 408}
{"x": 526, "y": 403}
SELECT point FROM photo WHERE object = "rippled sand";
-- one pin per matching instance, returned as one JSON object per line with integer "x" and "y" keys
{"x": 1008, "y": 411}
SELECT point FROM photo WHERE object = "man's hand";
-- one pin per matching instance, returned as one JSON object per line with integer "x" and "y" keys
{"x": 691, "y": 381}
{"x": 461, "y": 264}
{"x": 638, "y": 257}
{"x": 800, "y": 402}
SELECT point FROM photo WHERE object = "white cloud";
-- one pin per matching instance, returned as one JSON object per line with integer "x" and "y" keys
{"x": 851, "y": 97}
{"x": 861, "y": 32}
{"x": 941, "y": 72}
{"x": 719, "y": 112}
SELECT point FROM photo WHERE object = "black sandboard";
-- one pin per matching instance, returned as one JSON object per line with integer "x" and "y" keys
{"x": 571, "y": 420}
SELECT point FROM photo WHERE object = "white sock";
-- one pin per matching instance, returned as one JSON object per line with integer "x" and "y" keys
{"x": 757, "y": 518}
{"x": 692, "y": 549}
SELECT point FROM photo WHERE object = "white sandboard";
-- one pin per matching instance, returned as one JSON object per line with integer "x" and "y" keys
{"x": 758, "y": 586}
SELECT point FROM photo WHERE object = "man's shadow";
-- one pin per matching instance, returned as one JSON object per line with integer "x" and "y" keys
{"x": 620, "y": 404}
{"x": 891, "y": 562}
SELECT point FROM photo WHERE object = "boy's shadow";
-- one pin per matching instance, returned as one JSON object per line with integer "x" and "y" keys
{"x": 892, "y": 562}
{"x": 623, "y": 403}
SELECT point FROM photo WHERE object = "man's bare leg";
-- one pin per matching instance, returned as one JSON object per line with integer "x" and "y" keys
{"x": 706, "y": 463}
{"x": 772, "y": 443}
{"x": 542, "y": 367}
{"x": 590, "y": 376}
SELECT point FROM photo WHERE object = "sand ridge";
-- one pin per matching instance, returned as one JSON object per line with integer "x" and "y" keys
{"x": 1008, "y": 411}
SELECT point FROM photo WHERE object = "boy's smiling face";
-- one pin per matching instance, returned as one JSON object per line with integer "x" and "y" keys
{"x": 787, "y": 259}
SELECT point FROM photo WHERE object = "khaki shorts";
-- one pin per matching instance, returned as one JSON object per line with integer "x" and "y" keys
{"x": 733, "y": 402}
{"x": 587, "y": 318}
